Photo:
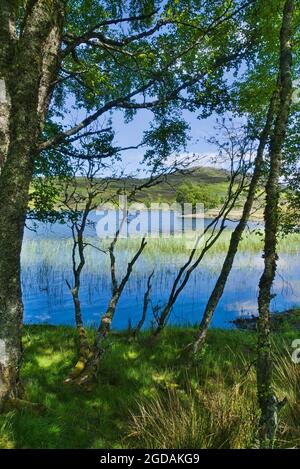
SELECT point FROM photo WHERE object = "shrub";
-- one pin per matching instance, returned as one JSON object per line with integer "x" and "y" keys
{"x": 193, "y": 194}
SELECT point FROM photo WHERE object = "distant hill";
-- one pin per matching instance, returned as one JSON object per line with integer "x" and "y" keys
{"x": 216, "y": 179}
{"x": 200, "y": 175}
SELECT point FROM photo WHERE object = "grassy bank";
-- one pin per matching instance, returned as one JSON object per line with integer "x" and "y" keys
{"x": 149, "y": 395}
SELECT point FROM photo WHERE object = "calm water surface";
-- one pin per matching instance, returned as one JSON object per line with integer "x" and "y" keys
{"x": 46, "y": 265}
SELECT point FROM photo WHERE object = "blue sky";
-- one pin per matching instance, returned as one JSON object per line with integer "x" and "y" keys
{"x": 131, "y": 134}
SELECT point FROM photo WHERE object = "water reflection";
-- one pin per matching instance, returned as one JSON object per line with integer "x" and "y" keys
{"x": 46, "y": 267}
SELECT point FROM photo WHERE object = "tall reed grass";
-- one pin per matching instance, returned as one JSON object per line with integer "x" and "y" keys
{"x": 202, "y": 417}
{"x": 214, "y": 414}
{"x": 287, "y": 385}
{"x": 251, "y": 243}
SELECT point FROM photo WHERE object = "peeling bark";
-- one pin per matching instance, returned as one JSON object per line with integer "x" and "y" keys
{"x": 49, "y": 70}
{"x": 5, "y": 105}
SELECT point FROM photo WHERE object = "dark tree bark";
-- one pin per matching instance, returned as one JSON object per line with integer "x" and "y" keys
{"x": 7, "y": 36}
{"x": 141, "y": 322}
{"x": 238, "y": 231}
{"x": 27, "y": 67}
{"x": 268, "y": 403}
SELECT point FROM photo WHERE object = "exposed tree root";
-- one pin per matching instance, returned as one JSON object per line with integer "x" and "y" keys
{"x": 15, "y": 403}
{"x": 85, "y": 371}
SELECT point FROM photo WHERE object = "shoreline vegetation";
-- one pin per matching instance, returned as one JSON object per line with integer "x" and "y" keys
{"x": 214, "y": 181}
{"x": 252, "y": 242}
{"x": 279, "y": 322}
{"x": 148, "y": 393}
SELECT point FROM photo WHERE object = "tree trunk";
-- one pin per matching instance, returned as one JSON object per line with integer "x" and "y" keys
{"x": 84, "y": 347}
{"x": 28, "y": 64}
{"x": 267, "y": 400}
{"x": 141, "y": 322}
{"x": 238, "y": 231}
{"x": 87, "y": 370}
{"x": 91, "y": 366}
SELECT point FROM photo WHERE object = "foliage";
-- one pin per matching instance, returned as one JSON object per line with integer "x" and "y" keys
{"x": 290, "y": 200}
{"x": 128, "y": 56}
{"x": 193, "y": 194}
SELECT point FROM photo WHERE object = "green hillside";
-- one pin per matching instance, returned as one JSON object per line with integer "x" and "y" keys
{"x": 215, "y": 179}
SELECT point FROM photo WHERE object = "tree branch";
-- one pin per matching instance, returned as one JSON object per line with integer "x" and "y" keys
{"x": 124, "y": 102}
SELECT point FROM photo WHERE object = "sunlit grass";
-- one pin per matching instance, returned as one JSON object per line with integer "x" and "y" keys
{"x": 215, "y": 393}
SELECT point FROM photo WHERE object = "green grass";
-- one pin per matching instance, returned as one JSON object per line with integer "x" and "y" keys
{"x": 141, "y": 379}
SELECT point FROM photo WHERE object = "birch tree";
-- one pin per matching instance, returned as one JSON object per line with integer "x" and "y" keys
{"x": 103, "y": 56}
{"x": 268, "y": 402}
{"x": 238, "y": 231}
